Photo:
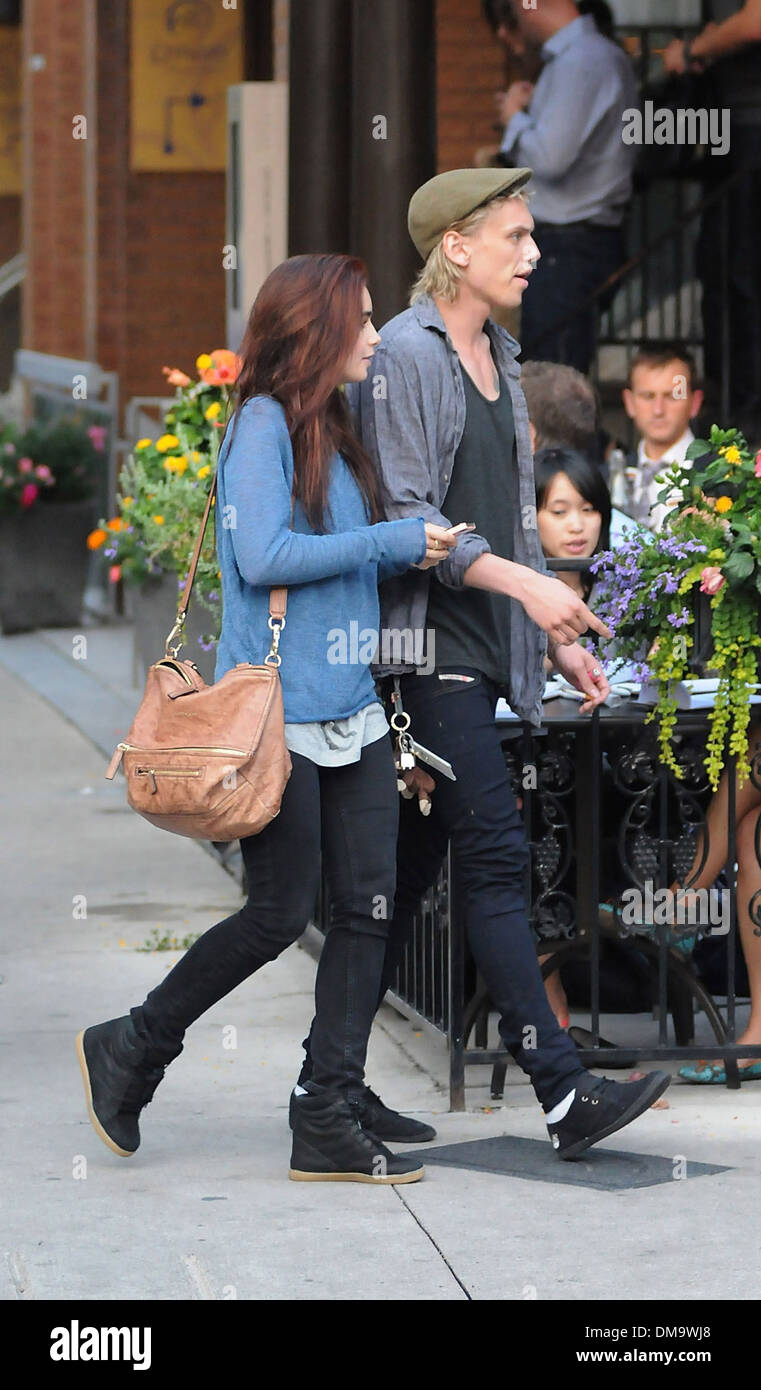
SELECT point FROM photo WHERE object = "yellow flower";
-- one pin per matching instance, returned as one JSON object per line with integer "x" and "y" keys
{"x": 732, "y": 454}
{"x": 127, "y": 501}
{"x": 724, "y": 504}
{"x": 204, "y": 472}
{"x": 203, "y": 362}
{"x": 175, "y": 463}
{"x": 196, "y": 457}
{"x": 167, "y": 441}
{"x": 212, "y": 411}
{"x": 143, "y": 443}
{"x": 159, "y": 520}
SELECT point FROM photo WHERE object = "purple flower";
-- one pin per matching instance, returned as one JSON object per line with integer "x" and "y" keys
{"x": 679, "y": 620}
{"x": 206, "y": 643}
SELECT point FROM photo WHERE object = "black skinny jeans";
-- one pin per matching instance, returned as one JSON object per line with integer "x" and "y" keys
{"x": 478, "y": 813}
{"x": 348, "y": 816}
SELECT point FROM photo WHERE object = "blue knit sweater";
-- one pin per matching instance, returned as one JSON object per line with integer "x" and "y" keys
{"x": 332, "y": 579}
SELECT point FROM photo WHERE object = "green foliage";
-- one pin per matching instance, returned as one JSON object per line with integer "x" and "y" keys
{"x": 710, "y": 542}
{"x": 165, "y": 941}
{"x": 164, "y": 486}
{"x": 57, "y": 462}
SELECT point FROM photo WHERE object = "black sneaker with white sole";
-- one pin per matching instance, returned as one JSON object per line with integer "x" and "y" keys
{"x": 602, "y": 1106}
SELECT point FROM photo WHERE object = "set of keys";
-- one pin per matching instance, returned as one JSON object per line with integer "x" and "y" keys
{"x": 407, "y": 751}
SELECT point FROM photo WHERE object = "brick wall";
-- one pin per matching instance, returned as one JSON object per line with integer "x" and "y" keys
{"x": 470, "y": 67}
{"x": 54, "y": 182}
{"x": 159, "y": 283}
{"x": 161, "y": 291}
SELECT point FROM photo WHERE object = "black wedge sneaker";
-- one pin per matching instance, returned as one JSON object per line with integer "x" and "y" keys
{"x": 120, "y": 1077}
{"x": 388, "y": 1125}
{"x": 378, "y": 1119}
{"x": 330, "y": 1144}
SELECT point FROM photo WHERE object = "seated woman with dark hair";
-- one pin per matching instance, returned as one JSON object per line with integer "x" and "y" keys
{"x": 573, "y": 511}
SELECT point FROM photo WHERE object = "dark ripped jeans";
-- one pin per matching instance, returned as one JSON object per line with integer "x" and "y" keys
{"x": 479, "y": 815}
{"x": 346, "y": 818}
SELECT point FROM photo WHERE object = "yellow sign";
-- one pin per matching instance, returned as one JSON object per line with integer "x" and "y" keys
{"x": 185, "y": 54}
{"x": 10, "y": 109}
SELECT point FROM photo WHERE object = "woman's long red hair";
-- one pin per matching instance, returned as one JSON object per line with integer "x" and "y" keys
{"x": 304, "y": 324}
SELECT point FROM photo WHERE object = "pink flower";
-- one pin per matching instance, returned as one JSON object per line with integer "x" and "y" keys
{"x": 98, "y": 434}
{"x": 711, "y": 580}
{"x": 25, "y": 465}
{"x": 42, "y": 471}
{"x": 29, "y": 494}
{"x": 115, "y": 573}
{"x": 757, "y": 469}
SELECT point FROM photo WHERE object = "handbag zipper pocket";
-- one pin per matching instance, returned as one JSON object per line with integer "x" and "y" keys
{"x": 154, "y": 772}
{"x": 122, "y": 748}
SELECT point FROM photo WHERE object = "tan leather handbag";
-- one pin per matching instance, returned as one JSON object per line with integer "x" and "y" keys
{"x": 208, "y": 761}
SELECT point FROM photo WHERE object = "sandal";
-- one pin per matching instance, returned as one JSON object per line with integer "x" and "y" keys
{"x": 715, "y": 1074}
{"x": 681, "y": 939}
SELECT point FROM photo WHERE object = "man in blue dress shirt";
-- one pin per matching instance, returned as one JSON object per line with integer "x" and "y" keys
{"x": 568, "y": 129}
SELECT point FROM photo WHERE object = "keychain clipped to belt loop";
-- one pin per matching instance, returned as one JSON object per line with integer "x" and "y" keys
{"x": 407, "y": 751}
{"x": 400, "y": 723}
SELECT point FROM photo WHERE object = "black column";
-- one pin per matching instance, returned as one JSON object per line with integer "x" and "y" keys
{"x": 393, "y": 82}
{"x": 320, "y": 125}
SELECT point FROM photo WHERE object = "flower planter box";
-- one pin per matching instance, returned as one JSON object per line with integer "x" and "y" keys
{"x": 44, "y": 563}
{"x": 155, "y": 609}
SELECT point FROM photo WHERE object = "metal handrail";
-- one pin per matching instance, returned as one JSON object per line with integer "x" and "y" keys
{"x": 634, "y": 262}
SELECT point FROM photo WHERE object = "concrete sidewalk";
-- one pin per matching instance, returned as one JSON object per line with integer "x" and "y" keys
{"x": 205, "y": 1210}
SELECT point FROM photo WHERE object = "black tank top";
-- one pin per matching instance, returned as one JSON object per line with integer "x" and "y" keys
{"x": 472, "y": 626}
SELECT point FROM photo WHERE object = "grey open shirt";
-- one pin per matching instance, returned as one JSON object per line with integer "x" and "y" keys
{"x": 411, "y": 415}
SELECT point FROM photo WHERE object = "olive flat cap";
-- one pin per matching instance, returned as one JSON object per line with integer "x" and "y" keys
{"x": 451, "y": 196}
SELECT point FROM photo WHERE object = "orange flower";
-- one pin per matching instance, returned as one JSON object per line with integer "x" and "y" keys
{"x": 224, "y": 369}
{"x": 175, "y": 377}
{"x": 116, "y": 524}
{"x": 96, "y": 539}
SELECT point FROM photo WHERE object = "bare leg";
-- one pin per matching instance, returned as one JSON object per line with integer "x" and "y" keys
{"x": 748, "y": 884}
{"x": 556, "y": 996}
{"x": 747, "y": 798}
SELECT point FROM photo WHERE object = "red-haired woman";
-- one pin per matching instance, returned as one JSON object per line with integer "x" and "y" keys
{"x": 299, "y": 504}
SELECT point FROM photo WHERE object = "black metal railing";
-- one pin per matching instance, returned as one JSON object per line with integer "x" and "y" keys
{"x": 656, "y": 294}
{"x": 602, "y": 815}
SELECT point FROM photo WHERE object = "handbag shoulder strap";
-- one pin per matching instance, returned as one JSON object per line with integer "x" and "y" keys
{"x": 278, "y": 596}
